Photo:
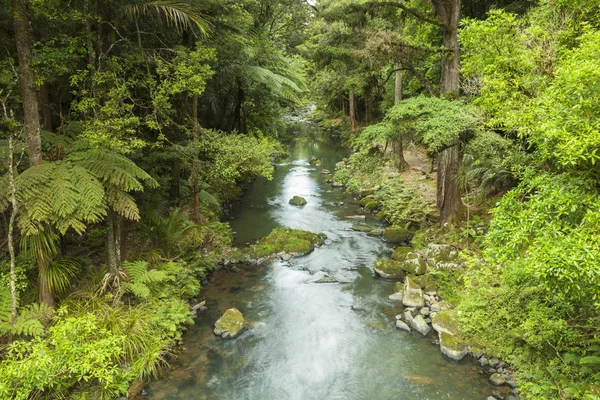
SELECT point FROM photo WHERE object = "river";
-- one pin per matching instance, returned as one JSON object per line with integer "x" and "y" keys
{"x": 310, "y": 340}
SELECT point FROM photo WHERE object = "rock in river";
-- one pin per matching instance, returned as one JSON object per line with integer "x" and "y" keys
{"x": 230, "y": 325}
{"x": 452, "y": 347}
{"x": 413, "y": 295}
{"x": 446, "y": 322}
{"x": 388, "y": 269}
{"x": 298, "y": 201}
{"x": 361, "y": 228}
{"x": 396, "y": 234}
{"x": 419, "y": 324}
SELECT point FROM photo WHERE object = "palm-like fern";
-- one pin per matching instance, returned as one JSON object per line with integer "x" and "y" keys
{"x": 183, "y": 16}
{"x": 29, "y": 322}
{"x": 142, "y": 278}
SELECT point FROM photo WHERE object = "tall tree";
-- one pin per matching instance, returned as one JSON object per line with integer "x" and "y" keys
{"x": 24, "y": 42}
{"x": 448, "y": 191}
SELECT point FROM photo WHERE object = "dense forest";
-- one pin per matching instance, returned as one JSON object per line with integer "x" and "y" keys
{"x": 129, "y": 127}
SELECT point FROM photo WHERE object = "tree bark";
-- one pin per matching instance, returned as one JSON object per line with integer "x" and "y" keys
{"x": 196, "y": 160}
{"x": 352, "y": 115}
{"x": 398, "y": 88}
{"x": 46, "y": 295}
{"x": 114, "y": 261}
{"x": 45, "y": 111}
{"x": 11, "y": 225}
{"x": 24, "y": 44}
{"x": 448, "y": 192}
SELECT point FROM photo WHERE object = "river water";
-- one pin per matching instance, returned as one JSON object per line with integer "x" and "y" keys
{"x": 310, "y": 340}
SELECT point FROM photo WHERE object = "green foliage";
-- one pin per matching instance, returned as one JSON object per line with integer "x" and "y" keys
{"x": 291, "y": 241}
{"x": 401, "y": 204}
{"x": 142, "y": 279}
{"x": 361, "y": 170}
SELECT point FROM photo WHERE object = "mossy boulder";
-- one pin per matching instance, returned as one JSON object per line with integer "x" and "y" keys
{"x": 365, "y": 200}
{"x": 441, "y": 253}
{"x": 230, "y": 325}
{"x": 315, "y": 161}
{"x": 388, "y": 269}
{"x": 400, "y": 253}
{"x": 376, "y": 233}
{"x": 414, "y": 264}
{"x": 298, "y": 201}
{"x": 418, "y": 324}
{"x": 361, "y": 228}
{"x": 452, "y": 346}
{"x": 372, "y": 205}
{"x": 366, "y": 192}
{"x": 413, "y": 295}
{"x": 426, "y": 283}
{"x": 445, "y": 321}
{"x": 285, "y": 240}
{"x": 396, "y": 234}
{"x": 325, "y": 172}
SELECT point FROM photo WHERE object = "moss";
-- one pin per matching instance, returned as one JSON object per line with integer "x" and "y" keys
{"x": 400, "y": 253}
{"x": 426, "y": 283}
{"x": 451, "y": 342}
{"x": 388, "y": 268}
{"x": 315, "y": 161}
{"x": 414, "y": 264}
{"x": 230, "y": 324}
{"x": 445, "y": 321}
{"x": 361, "y": 228}
{"x": 292, "y": 241}
{"x": 365, "y": 200}
{"x": 298, "y": 201}
{"x": 396, "y": 234}
{"x": 399, "y": 287}
{"x": 372, "y": 206}
{"x": 376, "y": 233}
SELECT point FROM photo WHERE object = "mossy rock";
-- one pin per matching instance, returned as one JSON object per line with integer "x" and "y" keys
{"x": 376, "y": 233}
{"x": 366, "y": 192}
{"x": 398, "y": 287}
{"x": 445, "y": 321}
{"x": 388, "y": 269}
{"x": 286, "y": 240}
{"x": 426, "y": 283}
{"x": 315, "y": 161}
{"x": 380, "y": 215}
{"x": 400, "y": 253}
{"x": 298, "y": 201}
{"x": 441, "y": 253}
{"x": 365, "y": 200}
{"x": 372, "y": 206}
{"x": 452, "y": 346}
{"x": 396, "y": 234}
{"x": 414, "y": 264}
{"x": 230, "y": 325}
{"x": 413, "y": 295}
{"x": 325, "y": 172}
{"x": 361, "y": 228}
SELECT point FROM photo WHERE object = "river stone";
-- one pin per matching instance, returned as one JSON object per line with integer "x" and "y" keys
{"x": 413, "y": 295}
{"x": 419, "y": 324}
{"x": 376, "y": 233}
{"x": 230, "y": 325}
{"x": 402, "y": 325}
{"x": 396, "y": 296}
{"x": 388, "y": 269}
{"x": 366, "y": 200}
{"x": 414, "y": 264}
{"x": 337, "y": 184}
{"x": 408, "y": 317}
{"x": 439, "y": 306}
{"x": 315, "y": 161}
{"x": 298, "y": 201}
{"x": 446, "y": 322}
{"x": 326, "y": 279}
{"x": 396, "y": 234}
{"x": 325, "y": 172}
{"x": 372, "y": 206}
{"x": 497, "y": 379}
{"x": 361, "y": 228}
{"x": 359, "y": 217}
{"x": 400, "y": 253}
{"x": 441, "y": 253}
{"x": 366, "y": 192}
{"x": 452, "y": 347}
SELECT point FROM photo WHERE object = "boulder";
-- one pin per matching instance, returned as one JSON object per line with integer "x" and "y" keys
{"x": 396, "y": 234}
{"x": 326, "y": 279}
{"x": 446, "y": 322}
{"x": 357, "y": 217}
{"x": 497, "y": 379}
{"x": 298, "y": 201}
{"x": 452, "y": 347}
{"x": 413, "y": 295}
{"x": 397, "y": 296}
{"x": 388, "y": 269}
{"x": 414, "y": 264}
{"x": 366, "y": 200}
{"x": 376, "y": 233}
{"x": 361, "y": 228}
{"x": 418, "y": 323}
{"x": 315, "y": 161}
{"x": 325, "y": 172}
{"x": 366, "y": 192}
{"x": 400, "y": 253}
{"x": 441, "y": 253}
{"x": 439, "y": 306}
{"x": 402, "y": 325}
{"x": 230, "y": 325}
{"x": 372, "y": 206}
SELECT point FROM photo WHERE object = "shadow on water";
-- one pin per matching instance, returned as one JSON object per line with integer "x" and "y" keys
{"x": 310, "y": 340}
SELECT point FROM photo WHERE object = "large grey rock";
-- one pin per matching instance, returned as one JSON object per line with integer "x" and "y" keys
{"x": 441, "y": 253}
{"x": 230, "y": 325}
{"x": 402, "y": 325}
{"x": 298, "y": 201}
{"x": 497, "y": 379}
{"x": 452, "y": 347}
{"x": 388, "y": 269}
{"x": 396, "y": 296}
{"x": 413, "y": 295}
{"x": 446, "y": 322}
{"x": 418, "y": 323}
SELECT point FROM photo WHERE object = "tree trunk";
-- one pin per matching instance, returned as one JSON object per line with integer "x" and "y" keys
{"x": 353, "y": 124}
{"x": 46, "y": 295}
{"x": 114, "y": 260}
{"x": 448, "y": 192}
{"x": 31, "y": 116}
{"x": 196, "y": 160}
{"x": 46, "y": 112}
{"x": 174, "y": 191}
{"x": 398, "y": 145}
{"x": 11, "y": 225}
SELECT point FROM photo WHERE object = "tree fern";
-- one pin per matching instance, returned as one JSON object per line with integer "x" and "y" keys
{"x": 182, "y": 15}
{"x": 142, "y": 278}
{"x": 29, "y": 322}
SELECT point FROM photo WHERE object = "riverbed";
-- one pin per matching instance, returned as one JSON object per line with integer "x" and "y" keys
{"x": 310, "y": 340}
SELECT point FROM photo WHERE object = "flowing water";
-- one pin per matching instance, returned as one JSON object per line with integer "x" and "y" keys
{"x": 310, "y": 340}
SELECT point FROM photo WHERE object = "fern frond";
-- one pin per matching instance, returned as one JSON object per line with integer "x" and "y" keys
{"x": 182, "y": 15}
